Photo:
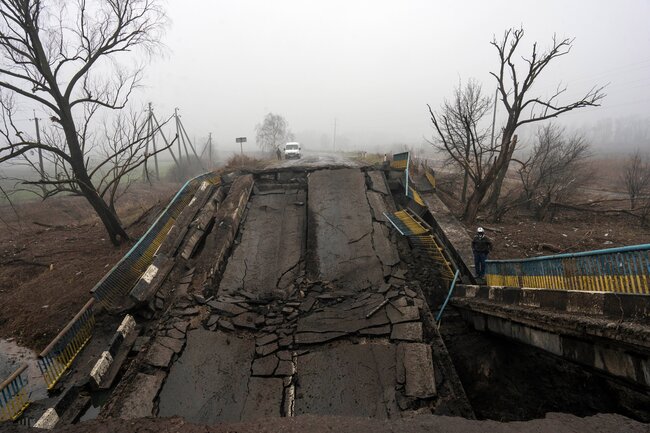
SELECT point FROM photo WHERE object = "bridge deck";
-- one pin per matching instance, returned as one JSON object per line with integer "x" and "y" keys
{"x": 313, "y": 315}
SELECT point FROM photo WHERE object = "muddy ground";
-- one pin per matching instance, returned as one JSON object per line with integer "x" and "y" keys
{"x": 52, "y": 253}
{"x": 519, "y": 235}
{"x": 557, "y": 423}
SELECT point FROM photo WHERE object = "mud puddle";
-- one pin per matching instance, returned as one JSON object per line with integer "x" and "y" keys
{"x": 12, "y": 356}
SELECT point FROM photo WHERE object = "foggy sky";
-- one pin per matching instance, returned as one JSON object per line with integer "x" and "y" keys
{"x": 374, "y": 65}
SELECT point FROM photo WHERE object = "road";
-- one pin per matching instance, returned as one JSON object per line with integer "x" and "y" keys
{"x": 316, "y": 160}
{"x": 312, "y": 314}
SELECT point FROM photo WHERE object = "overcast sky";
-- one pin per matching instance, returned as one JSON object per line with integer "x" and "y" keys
{"x": 374, "y": 65}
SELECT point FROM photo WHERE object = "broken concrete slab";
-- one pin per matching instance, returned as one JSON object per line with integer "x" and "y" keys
{"x": 360, "y": 381}
{"x": 409, "y": 331}
{"x": 307, "y": 304}
{"x": 285, "y": 368}
{"x": 264, "y": 399}
{"x": 226, "y": 324}
{"x": 418, "y": 371}
{"x": 267, "y": 349}
{"x": 378, "y": 181}
{"x": 266, "y": 339}
{"x": 271, "y": 246}
{"x": 317, "y": 337}
{"x": 139, "y": 403}
{"x": 226, "y": 308}
{"x": 212, "y": 320}
{"x": 227, "y": 220}
{"x": 245, "y": 320}
{"x": 376, "y": 331}
{"x": 152, "y": 279}
{"x": 159, "y": 356}
{"x": 408, "y": 313}
{"x": 171, "y": 343}
{"x": 286, "y": 341}
{"x": 342, "y": 225}
{"x": 336, "y": 320}
{"x": 214, "y": 369}
{"x": 378, "y": 206}
{"x": 264, "y": 366}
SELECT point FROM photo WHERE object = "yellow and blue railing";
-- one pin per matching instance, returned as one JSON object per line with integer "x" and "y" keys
{"x": 126, "y": 273}
{"x": 61, "y": 352}
{"x": 620, "y": 270}
{"x": 55, "y": 359}
{"x": 14, "y": 396}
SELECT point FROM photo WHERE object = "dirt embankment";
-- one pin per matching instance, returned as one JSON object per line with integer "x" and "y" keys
{"x": 52, "y": 253}
{"x": 552, "y": 423}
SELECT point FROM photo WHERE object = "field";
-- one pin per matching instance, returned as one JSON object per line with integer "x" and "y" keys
{"x": 54, "y": 252}
{"x": 603, "y": 224}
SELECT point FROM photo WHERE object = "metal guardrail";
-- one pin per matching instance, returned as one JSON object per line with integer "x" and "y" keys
{"x": 55, "y": 359}
{"x": 620, "y": 270}
{"x": 422, "y": 239}
{"x": 126, "y": 273}
{"x": 14, "y": 397}
{"x": 400, "y": 161}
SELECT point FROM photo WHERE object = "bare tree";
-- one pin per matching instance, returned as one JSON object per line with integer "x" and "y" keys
{"x": 61, "y": 56}
{"x": 521, "y": 108}
{"x": 460, "y": 134}
{"x": 554, "y": 170}
{"x": 636, "y": 177}
{"x": 272, "y": 132}
{"x": 113, "y": 155}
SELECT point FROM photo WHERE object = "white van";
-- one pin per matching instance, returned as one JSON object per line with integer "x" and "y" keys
{"x": 292, "y": 150}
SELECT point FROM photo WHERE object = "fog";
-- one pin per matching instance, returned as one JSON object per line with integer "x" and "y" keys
{"x": 374, "y": 65}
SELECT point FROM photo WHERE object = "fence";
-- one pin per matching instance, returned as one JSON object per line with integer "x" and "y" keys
{"x": 126, "y": 273}
{"x": 422, "y": 239}
{"x": 14, "y": 397}
{"x": 621, "y": 270}
{"x": 55, "y": 359}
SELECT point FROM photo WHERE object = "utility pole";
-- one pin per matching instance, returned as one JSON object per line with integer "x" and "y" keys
{"x": 178, "y": 135}
{"x": 494, "y": 116}
{"x": 40, "y": 151}
{"x": 334, "y": 141}
{"x": 210, "y": 150}
{"x": 153, "y": 141}
{"x": 145, "y": 169}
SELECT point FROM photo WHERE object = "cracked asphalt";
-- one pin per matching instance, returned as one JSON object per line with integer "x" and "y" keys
{"x": 312, "y": 314}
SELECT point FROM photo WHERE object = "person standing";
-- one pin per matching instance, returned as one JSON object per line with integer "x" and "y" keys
{"x": 278, "y": 152}
{"x": 481, "y": 247}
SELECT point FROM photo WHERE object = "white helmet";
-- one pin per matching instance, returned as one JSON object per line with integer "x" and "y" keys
{"x": 480, "y": 230}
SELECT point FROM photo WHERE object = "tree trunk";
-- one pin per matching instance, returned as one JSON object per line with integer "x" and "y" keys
{"x": 109, "y": 218}
{"x": 501, "y": 174}
{"x": 474, "y": 201}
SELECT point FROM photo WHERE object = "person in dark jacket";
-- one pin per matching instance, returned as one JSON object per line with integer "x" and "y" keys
{"x": 481, "y": 247}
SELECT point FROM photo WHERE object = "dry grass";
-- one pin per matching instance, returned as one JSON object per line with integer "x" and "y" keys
{"x": 238, "y": 162}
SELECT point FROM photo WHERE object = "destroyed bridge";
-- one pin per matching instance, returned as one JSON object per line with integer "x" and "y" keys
{"x": 319, "y": 288}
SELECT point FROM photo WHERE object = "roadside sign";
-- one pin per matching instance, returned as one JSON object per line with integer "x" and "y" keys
{"x": 241, "y": 140}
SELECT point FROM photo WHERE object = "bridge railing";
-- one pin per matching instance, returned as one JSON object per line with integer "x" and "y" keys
{"x": 14, "y": 397}
{"x": 55, "y": 359}
{"x": 126, "y": 273}
{"x": 621, "y": 270}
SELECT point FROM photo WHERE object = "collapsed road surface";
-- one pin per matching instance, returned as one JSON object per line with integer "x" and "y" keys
{"x": 309, "y": 312}
{"x": 283, "y": 300}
